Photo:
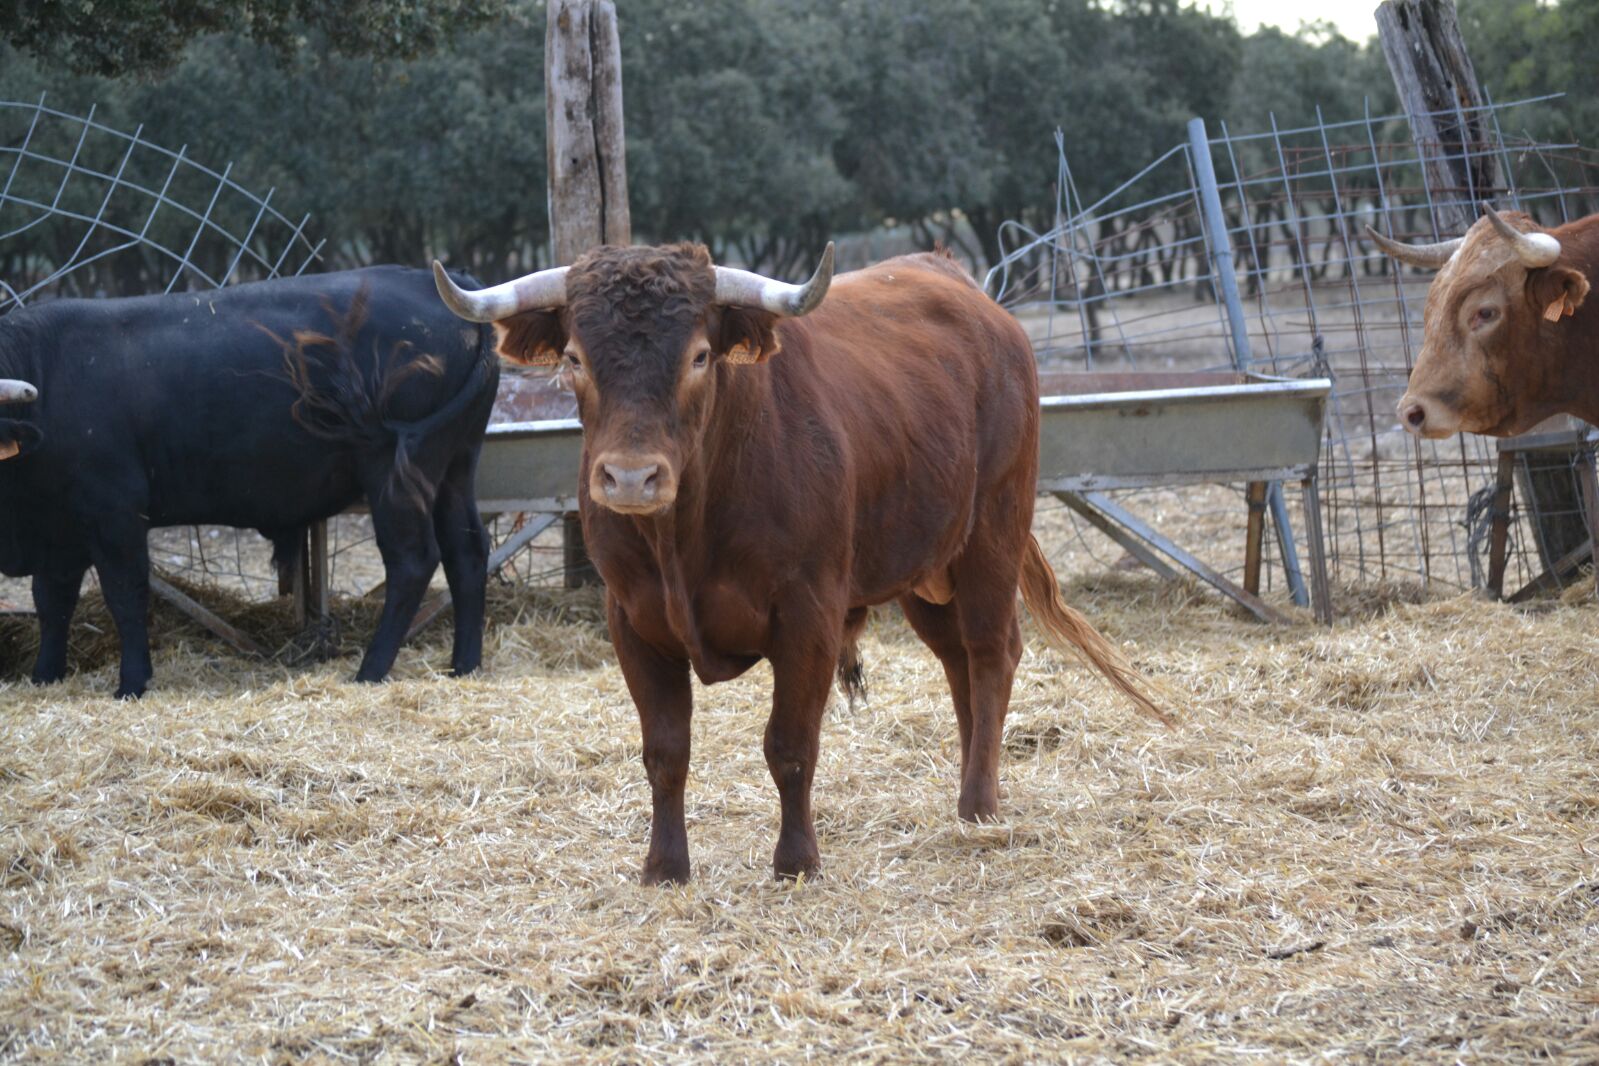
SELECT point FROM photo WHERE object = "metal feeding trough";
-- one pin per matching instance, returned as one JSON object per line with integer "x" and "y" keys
{"x": 1129, "y": 430}
{"x": 1136, "y": 430}
{"x": 1098, "y": 432}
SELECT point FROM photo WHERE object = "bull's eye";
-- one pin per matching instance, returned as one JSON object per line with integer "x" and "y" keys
{"x": 701, "y": 358}
{"x": 573, "y": 363}
{"x": 1485, "y": 315}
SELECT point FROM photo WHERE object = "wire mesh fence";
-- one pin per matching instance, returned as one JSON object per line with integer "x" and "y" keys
{"x": 1134, "y": 281}
{"x": 90, "y": 210}
{"x": 1129, "y": 281}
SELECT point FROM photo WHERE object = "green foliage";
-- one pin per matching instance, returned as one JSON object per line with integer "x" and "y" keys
{"x": 1530, "y": 47}
{"x": 415, "y": 127}
{"x": 113, "y": 38}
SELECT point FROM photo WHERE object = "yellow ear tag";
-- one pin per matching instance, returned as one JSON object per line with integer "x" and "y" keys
{"x": 1560, "y": 307}
{"x": 8, "y": 449}
{"x": 740, "y": 354}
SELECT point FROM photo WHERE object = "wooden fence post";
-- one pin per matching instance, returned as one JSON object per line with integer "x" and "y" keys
{"x": 1427, "y": 57}
{"x": 587, "y": 161}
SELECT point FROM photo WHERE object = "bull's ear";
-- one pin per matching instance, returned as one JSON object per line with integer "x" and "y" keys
{"x": 746, "y": 335}
{"x": 532, "y": 338}
{"x": 1557, "y": 291}
{"x": 18, "y": 438}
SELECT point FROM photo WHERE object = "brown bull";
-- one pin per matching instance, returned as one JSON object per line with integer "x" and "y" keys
{"x": 1509, "y": 338}
{"x": 752, "y": 481}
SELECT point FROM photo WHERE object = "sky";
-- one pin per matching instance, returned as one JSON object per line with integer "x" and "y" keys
{"x": 1352, "y": 17}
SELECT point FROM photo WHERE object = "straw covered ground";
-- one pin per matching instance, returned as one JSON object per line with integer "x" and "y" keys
{"x": 1380, "y": 841}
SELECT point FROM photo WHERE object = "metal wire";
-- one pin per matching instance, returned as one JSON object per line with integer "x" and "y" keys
{"x": 1133, "y": 266}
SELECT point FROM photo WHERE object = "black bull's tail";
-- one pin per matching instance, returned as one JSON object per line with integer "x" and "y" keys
{"x": 338, "y": 402}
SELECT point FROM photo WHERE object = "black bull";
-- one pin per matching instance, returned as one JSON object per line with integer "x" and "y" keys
{"x": 265, "y": 406}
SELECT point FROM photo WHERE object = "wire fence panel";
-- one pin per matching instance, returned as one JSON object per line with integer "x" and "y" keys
{"x": 1128, "y": 282}
{"x": 88, "y": 210}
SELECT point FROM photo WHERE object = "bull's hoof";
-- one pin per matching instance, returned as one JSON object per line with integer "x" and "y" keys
{"x": 979, "y": 809}
{"x": 665, "y": 872}
{"x": 48, "y": 677}
{"x": 792, "y": 864}
{"x": 464, "y": 670}
{"x": 130, "y": 691}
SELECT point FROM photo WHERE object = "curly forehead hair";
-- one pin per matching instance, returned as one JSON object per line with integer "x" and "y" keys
{"x": 614, "y": 287}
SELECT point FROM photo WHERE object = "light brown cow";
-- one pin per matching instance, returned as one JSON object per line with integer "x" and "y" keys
{"x": 1508, "y": 339}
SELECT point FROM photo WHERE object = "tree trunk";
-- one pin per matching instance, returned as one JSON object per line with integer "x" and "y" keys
{"x": 587, "y": 159}
{"x": 583, "y": 111}
{"x": 1438, "y": 88}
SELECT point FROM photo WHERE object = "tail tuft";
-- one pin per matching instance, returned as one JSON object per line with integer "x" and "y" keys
{"x": 1068, "y": 630}
{"x": 341, "y": 402}
{"x": 852, "y": 675}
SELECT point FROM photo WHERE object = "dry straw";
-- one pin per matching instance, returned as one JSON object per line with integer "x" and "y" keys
{"x": 1378, "y": 842}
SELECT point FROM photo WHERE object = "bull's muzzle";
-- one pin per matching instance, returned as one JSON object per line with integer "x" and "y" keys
{"x": 1422, "y": 417}
{"x": 633, "y": 484}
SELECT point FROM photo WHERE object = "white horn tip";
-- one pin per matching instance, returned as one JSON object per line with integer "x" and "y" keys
{"x": 1547, "y": 246}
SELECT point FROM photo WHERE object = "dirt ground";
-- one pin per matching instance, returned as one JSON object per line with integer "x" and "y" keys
{"x": 1379, "y": 841}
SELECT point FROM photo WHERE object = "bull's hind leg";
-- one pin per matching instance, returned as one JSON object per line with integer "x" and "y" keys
{"x": 464, "y": 547}
{"x": 404, "y": 532}
{"x": 665, "y": 701}
{"x": 939, "y": 628}
{"x": 985, "y": 608}
{"x": 55, "y": 597}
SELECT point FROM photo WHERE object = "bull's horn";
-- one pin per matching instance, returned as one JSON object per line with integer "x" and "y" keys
{"x": 743, "y": 288}
{"x": 14, "y": 391}
{"x": 544, "y": 290}
{"x": 1533, "y": 249}
{"x": 1431, "y": 256}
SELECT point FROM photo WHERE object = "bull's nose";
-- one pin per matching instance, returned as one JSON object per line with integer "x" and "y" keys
{"x": 1413, "y": 416}
{"x": 632, "y": 484}
{"x": 640, "y": 483}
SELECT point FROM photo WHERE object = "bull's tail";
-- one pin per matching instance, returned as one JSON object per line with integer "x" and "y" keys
{"x": 1069, "y": 631}
{"x": 340, "y": 401}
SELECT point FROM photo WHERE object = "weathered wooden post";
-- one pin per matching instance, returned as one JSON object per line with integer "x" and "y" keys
{"x": 587, "y": 162}
{"x": 1427, "y": 57}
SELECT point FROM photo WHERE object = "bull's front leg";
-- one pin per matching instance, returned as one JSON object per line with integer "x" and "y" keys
{"x": 803, "y": 659}
{"x": 664, "y": 697}
{"x": 55, "y": 597}
{"x": 120, "y": 552}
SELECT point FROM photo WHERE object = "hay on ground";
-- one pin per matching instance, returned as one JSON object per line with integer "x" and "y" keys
{"x": 1379, "y": 841}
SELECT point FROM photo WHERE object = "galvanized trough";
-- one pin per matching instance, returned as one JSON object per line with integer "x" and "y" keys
{"x": 1098, "y": 431}
{"x": 1103, "y": 431}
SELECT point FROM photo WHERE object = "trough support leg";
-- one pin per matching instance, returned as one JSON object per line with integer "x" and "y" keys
{"x": 1316, "y": 539}
{"x": 1285, "y": 543}
{"x": 1256, "y": 498}
{"x": 497, "y": 560}
{"x": 1135, "y": 547}
{"x": 1588, "y": 479}
{"x": 1559, "y": 572}
{"x": 319, "y": 569}
{"x": 575, "y": 559}
{"x": 311, "y": 586}
{"x": 235, "y": 638}
{"x": 1499, "y": 531}
{"x": 1136, "y": 527}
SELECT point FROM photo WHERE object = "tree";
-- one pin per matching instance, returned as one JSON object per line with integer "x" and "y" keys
{"x": 112, "y": 38}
